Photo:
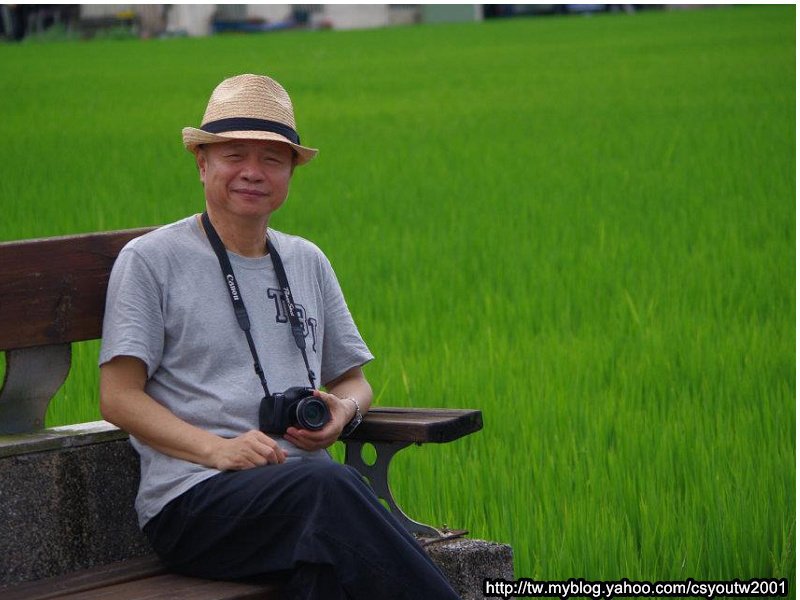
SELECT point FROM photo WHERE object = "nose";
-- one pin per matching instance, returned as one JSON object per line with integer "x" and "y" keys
{"x": 251, "y": 170}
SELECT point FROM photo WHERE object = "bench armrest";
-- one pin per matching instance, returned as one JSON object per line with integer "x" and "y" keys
{"x": 417, "y": 425}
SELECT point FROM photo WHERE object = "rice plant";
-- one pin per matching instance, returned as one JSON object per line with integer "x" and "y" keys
{"x": 582, "y": 226}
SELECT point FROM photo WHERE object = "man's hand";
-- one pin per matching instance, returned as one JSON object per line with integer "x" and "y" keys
{"x": 342, "y": 411}
{"x": 251, "y": 449}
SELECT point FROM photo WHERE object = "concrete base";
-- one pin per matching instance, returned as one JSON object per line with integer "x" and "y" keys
{"x": 466, "y": 563}
{"x": 66, "y": 503}
{"x": 68, "y": 508}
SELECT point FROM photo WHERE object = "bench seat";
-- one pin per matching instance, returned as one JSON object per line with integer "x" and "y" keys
{"x": 142, "y": 578}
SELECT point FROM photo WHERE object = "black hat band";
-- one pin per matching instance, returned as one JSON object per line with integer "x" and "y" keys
{"x": 247, "y": 124}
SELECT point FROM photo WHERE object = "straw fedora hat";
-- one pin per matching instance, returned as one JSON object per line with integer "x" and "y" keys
{"x": 248, "y": 107}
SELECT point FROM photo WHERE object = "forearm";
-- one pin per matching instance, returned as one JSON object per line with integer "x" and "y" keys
{"x": 153, "y": 424}
{"x": 124, "y": 403}
{"x": 357, "y": 388}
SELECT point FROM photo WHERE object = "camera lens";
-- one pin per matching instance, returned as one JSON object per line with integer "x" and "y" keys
{"x": 312, "y": 413}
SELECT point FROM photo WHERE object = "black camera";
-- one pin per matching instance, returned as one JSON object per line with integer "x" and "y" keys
{"x": 296, "y": 407}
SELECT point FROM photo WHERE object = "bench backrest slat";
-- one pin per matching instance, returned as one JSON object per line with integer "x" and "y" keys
{"x": 53, "y": 290}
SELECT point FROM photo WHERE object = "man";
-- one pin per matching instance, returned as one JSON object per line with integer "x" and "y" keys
{"x": 206, "y": 320}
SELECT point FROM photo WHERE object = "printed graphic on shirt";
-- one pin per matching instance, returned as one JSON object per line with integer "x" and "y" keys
{"x": 282, "y": 315}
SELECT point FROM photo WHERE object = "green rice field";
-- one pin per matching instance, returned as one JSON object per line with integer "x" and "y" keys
{"x": 582, "y": 226}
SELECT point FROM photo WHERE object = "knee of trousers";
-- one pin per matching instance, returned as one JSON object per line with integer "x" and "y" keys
{"x": 327, "y": 476}
{"x": 332, "y": 484}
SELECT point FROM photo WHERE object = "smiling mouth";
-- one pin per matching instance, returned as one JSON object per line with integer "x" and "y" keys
{"x": 254, "y": 193}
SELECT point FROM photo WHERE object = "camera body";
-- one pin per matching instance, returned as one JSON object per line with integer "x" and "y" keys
{"x": 296, "y": 407}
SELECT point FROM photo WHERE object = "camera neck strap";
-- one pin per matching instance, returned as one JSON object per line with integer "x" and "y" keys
{"x": 235, "y": 293}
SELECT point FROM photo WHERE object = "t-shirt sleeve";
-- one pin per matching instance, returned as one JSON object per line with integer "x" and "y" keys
{"x": 343, "y": 347}
{"x": 134, "y": 323}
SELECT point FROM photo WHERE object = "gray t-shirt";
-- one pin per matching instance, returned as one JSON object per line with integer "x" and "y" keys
{"x": 168, "y": 305}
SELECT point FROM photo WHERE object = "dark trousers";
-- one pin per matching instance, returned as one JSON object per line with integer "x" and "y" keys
{"x": 314, "y": 523}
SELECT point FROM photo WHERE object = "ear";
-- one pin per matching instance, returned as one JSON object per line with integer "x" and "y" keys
{"x": 202, "y": 162}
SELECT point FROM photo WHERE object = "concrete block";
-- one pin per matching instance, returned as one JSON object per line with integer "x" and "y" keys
{"x": 466, "y": 563}
{"x": 68, "y": 509}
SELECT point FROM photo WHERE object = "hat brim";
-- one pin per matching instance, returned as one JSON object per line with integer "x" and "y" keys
{"x": 193, "y": 137}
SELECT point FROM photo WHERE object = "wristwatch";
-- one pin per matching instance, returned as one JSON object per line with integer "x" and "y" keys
{"x": 354, "y": 422}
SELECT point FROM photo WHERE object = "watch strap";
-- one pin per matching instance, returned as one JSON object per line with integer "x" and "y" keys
{"x": 354, "y": 422}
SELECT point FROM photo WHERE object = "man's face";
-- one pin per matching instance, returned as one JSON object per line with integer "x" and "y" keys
{"x": 246, "y": 178}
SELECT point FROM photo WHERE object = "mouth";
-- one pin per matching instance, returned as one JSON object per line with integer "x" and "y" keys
{"x": 250, "y": 193}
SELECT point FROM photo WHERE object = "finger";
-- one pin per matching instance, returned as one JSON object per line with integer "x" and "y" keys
{"x": 239, "y": 456}
{"x": 253, "y": 458}
{"x": 326, "y": 397}
{"x": 300, "y": 442}
{"x": 307, "y": 442}
{"x": 236, "y": 463}
{"x": 315, "y": 439}
{"x": 311, "y": 444}
{"x": 301, "y": 433}
{"x": 272, "y": 454}
{"x": 261, "y": 438}
{"x": 267, "y": 447}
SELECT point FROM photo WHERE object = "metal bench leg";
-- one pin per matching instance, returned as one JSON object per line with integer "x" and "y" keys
{"x": 377, "y": 475}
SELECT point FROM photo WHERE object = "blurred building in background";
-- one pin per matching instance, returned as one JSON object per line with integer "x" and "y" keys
{"x": 166, "y": 20}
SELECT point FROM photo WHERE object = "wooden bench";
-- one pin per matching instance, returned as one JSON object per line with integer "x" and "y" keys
{"x": 52, "y": 293}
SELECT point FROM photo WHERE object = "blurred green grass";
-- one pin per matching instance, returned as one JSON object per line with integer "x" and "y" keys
{"x": 582, "y": 226}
